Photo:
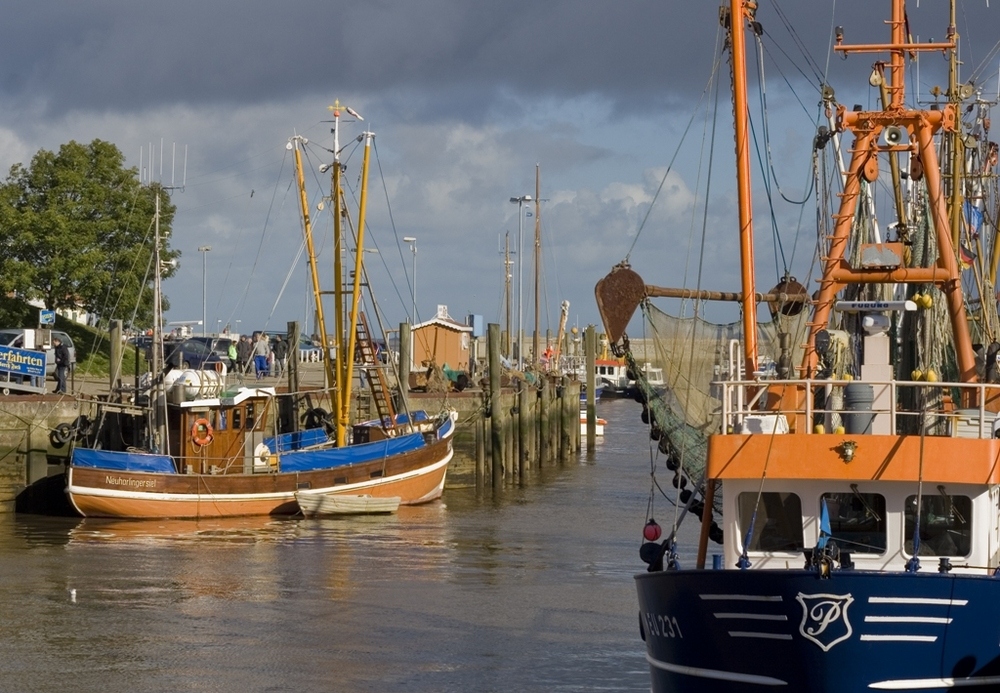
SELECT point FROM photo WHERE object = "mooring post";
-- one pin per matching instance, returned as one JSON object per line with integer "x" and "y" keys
{"x": 480, "y": 450}
{"x": 522, "y": 429}
{"x": 404, "y": 366}
{"x": 543, "y": 423}
{"x": 496, "y": 409}
{"x": 590, "y": 357}
{"x": 291, "y": 410}
{"x": 115, "y": 342}
{"x": 564, "y": 416}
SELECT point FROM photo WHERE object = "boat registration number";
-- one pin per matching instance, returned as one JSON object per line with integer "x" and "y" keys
{"x": 663, "y": 625}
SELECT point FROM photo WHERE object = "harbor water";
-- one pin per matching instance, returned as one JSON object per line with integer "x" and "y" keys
{"x": 531, "y": 590}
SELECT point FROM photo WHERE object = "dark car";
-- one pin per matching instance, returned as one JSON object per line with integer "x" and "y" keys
{"x": 220, "y": 345}
{"x": 192, "y": 354}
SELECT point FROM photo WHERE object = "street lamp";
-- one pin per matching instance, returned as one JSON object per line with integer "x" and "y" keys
{"x": 413, "y": 288}
{"x": 520, "y": 269}
{"x": 204, "y": 284}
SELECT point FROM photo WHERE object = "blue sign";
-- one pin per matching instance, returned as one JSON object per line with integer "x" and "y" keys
{"x": 23, "y": 361}
{"x": 46, "y": 317}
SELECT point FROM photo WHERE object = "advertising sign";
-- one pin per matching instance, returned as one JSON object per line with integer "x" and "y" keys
{"x": 46, "y": 317}
{"x": 22, "y": 361}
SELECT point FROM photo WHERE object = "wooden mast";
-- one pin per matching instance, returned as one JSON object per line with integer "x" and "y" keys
{"x": 337, "y": 207}
{"x": 347, "y": 358}
{"x": 296, "y": 142}
{"x": 740, "y": 11}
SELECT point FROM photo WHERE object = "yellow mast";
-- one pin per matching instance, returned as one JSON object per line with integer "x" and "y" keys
{"x": 338, "y": 272}
{"x": 295, "y": 143}
{"x": 347, "y": 358}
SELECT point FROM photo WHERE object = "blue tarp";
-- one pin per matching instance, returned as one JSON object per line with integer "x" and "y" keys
{"x": 298, "y": 440}
{"x": 123, "y": 461}
{"x": 352, "y": 454}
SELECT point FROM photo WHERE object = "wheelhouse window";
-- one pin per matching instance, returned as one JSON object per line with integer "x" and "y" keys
{"x": 778, "y": 526}
{"x": 945, "y": 524}
{"x": 857, "y": 521}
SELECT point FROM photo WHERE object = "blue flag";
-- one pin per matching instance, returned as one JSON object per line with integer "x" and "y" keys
{"x": 824, "y": 524}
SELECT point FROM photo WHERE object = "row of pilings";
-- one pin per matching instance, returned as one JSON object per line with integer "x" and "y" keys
{"x": 532, "y": 420}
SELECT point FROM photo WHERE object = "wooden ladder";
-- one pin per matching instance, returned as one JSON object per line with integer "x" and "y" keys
{"x": 376, "y": 374}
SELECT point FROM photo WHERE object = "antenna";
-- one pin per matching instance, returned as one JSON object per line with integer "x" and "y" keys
{"x": 146, "y": 173}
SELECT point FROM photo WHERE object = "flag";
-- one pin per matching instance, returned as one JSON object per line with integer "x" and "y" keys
{"x": 824, "y": 524}
{"x": 965, "y": 256}
{"x": 973, "y": 218}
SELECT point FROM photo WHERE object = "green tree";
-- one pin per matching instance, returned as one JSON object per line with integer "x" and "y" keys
{"x": 76, "y": 230}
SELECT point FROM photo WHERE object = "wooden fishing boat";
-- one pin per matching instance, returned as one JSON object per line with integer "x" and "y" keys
{"x": 861, "y": 506}
{"x": 200, "y": 447}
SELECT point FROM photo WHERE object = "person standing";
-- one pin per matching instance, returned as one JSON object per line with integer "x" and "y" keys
{"x": 62, "y": 365}
{"x": 280, "y": 356}
{"x": 260, "y": 353}
{"x": 244, "y": 350}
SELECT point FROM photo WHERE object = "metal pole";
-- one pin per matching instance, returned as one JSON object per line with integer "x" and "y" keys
{"x": 204, "y": 288}
{"x": 412, "y": 240}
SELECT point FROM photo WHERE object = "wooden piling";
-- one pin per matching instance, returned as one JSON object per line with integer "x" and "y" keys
{"x": 291, "y": 412}
{"x": 404, "y": 366}
{"x": 480, "y": 449}
{"x": 565, "y": 441}
{"x": 496, "y": 410}
{"x": 590, "y": 357}
{"x": 116, "y": 354}
{"x": 544, "y": 435}
{"x": 522, "y": 430}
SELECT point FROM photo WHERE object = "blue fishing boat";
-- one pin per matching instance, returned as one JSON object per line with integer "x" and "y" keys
{"x": 848, "y": 490}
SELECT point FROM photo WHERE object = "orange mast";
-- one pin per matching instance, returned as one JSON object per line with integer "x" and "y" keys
{"x": 741, "y": 10}
{"x": 867, "y": 126}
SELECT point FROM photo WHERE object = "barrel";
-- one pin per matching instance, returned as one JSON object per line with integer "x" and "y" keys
{"x": 858, "y": 415}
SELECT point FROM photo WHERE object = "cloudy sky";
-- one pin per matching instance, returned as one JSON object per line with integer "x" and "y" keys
{"x": 465, "y": 98}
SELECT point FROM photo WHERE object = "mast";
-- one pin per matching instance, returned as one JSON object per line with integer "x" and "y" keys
{"x": 867, "y": 126}
{"x": 295, "y": 143}
{"x": 507, "y": 289}
{"x": 160, "y": 441}
{"x": 346, "y": 358}
{"x": 538, "y": 259}
{"x": 337, "y": 206}
{"x": 739, "y": 11}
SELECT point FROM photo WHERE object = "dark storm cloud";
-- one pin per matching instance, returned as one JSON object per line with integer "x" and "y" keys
{"x": 124, "y": 55}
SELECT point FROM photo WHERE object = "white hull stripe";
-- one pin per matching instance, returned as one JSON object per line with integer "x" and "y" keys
{"x": 899, "y": 638}
{"x": 740, "y": 597}
{"x": 243, "y": 497}
{"x": 717, "y": 674}
{"x": 907, "y": 619}
{"x": 755, "y": 617}
{"x": 917, "y": 600}
{"x": 765, "y": 636}
{"x": 921, "y": 684}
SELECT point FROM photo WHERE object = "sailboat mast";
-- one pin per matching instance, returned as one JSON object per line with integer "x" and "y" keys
{"x": 347, "y": 357}
{"x": 307, "y": 227}
{"x": 336, "y": 203}
{"x": 160, "y": 442}
{"x": 538, "y": 259}
{"x": 740, "y": 11}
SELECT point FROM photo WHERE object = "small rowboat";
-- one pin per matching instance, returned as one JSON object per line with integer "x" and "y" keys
{"x": 319, "y": 504}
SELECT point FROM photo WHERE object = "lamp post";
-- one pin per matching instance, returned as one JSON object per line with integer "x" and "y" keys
{"x": 412, "y": 240}
{"x": 204, "y": 284}
{"x": 520, "y": 270}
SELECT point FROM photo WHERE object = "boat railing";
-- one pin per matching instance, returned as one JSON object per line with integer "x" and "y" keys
{"x": 887, "y": 407}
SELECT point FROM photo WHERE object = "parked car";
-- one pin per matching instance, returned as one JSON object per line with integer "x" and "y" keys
{"x": 14, "y": 337}
{"x": 192, "y": 353}
{"x": 220, "y": 345}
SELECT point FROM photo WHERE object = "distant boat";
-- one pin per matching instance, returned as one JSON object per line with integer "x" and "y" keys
{"x": 598, "y": 428}
{"x": 318, "y": 504}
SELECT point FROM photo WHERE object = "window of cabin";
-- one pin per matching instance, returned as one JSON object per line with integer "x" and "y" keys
{"x": 778, "y": 526}
{"x": 250, "y": 415}
{"x": 237, "y": 418}
{"x": 857, "y": 521}
{"x": 945, "y": 524}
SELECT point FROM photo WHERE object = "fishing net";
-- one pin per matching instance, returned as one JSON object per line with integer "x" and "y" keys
{"x": 694, "y": 354}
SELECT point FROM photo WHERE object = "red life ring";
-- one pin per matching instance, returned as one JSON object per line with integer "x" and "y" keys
{"x": 201, "y": 432}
